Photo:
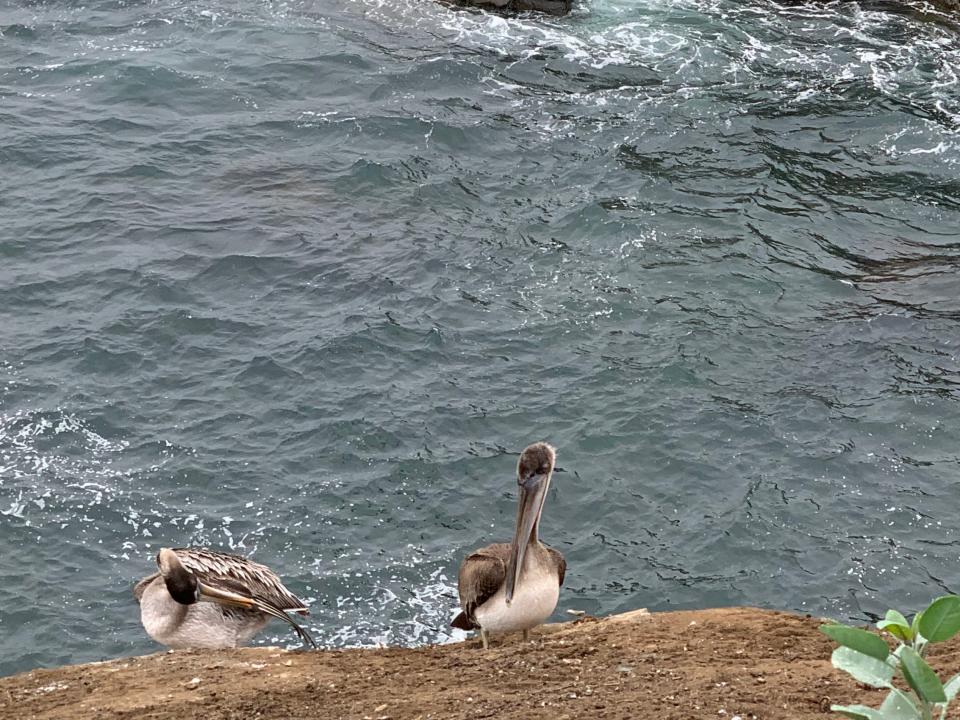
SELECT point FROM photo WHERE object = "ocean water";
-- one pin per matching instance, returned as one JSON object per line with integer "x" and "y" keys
{"x": 300, "y": 279}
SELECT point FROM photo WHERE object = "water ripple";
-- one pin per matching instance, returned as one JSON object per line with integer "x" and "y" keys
{"x": 302, "y": 283}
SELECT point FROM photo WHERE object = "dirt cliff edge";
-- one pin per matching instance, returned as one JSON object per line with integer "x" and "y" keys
{"x": 721, "y": 664}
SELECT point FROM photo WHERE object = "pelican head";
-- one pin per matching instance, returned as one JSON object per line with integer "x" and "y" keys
{"x": 186, "y": 589}
{"x": 534, "y": 470}
{"x": 182, "y": 584}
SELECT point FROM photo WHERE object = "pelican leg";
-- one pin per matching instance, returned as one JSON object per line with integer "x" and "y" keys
{"x": 485, "y": 636}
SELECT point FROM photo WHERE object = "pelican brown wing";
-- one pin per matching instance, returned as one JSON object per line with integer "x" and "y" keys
{"x": 245, "y": 579}
{"x": 240, "y": 575}
{"x": 481, "y": 575}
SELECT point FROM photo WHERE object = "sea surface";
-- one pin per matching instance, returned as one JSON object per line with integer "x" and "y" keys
{"x": 300, "y": 279}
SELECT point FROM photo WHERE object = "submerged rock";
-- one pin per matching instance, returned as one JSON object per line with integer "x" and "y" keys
{"x": 550, "y": 7}
{"x": 562, "y": 7}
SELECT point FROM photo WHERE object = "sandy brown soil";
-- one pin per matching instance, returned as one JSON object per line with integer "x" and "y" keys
{"x": 717, "y": 664}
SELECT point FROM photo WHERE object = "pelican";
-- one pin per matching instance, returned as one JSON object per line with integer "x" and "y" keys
{"x": 206, "y": 599}
{"x": 508, "y": 587}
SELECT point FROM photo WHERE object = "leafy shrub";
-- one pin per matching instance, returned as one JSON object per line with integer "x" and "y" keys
{"x": 868, "y": 659}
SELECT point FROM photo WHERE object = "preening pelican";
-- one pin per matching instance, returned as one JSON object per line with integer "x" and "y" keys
{"x": 206, "y": 599}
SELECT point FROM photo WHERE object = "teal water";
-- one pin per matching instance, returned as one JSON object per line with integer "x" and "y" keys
{"x": 299, "y": 279}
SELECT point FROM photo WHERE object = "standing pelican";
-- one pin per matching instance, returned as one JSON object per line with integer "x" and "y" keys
{"x": 509, "y": 587}
{"x": 206, "y": 599}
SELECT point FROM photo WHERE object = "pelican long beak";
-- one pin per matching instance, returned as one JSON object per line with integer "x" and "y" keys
{"x": 224, "y": 597}
{"x": 533, "y": 491}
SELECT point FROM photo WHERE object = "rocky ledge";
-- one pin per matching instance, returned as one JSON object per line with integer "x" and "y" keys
{"x": 719, "y": 664}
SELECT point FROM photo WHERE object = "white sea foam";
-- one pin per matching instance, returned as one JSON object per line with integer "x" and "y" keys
{"x": 400, "y": 601}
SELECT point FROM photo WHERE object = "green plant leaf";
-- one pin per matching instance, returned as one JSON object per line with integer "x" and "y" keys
{"x": 901, "y": 631}
{"x": 921, "y": 677}
{"x": 856, "y": 639}
{"x": 952, "y": 687}
{"x": 915, "y": 625}
{"x": 894, "y": 616}
{"x": 941, "y": 620}
{"x": 899, "y": 706}
{"x": 858, "y": 712}
{"x": 863, "y": 668}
